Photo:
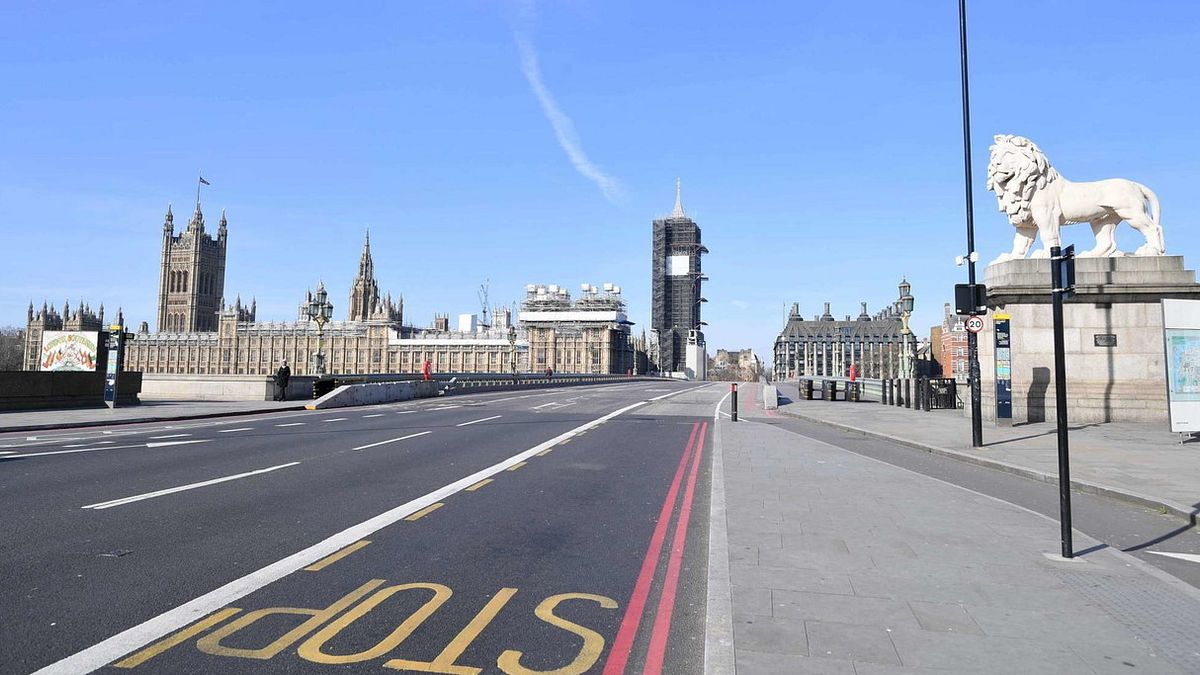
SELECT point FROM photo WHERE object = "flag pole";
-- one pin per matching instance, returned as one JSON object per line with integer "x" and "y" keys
{"x": 199, "y": 178}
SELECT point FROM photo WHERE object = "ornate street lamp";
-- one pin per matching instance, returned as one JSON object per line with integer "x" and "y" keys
{"x": 905, "y": 305}
{"x": 320, "y": 310}
{"x": 512, "y": 344}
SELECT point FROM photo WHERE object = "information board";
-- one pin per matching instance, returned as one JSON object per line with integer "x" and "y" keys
{"x": 68, "y": 350}
{"x": 1181, "y": 344}
{"x": 1003, "y": 351}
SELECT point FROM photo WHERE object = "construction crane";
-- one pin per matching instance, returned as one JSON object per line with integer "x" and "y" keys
{"x": 483, "y": 305}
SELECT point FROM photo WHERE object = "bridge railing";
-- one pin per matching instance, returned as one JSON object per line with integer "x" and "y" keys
{"x": 458, "y": 382}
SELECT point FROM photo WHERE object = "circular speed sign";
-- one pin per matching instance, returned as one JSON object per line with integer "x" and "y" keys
{"x": 975, "y": 324}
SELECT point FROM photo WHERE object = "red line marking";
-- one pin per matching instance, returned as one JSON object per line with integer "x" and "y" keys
{"x": 666, "y": 602}
{"x": 618, "y": 656}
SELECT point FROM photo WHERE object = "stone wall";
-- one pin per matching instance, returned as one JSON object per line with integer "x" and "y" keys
{"x": 24, "y": 390}
{"x": 158, "y": 386}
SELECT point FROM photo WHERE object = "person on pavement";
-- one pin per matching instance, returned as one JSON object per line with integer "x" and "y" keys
{"x": 281, "y": 381}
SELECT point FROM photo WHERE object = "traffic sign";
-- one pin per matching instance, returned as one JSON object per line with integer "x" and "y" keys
{"x": 975, "y": 324}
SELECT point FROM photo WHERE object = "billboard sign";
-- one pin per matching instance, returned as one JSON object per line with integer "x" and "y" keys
{"x": 68, "y": 350}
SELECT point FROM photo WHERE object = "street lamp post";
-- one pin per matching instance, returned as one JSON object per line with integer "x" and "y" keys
{"x": 906, "y": 308}
{"x": 972, "y": 338}
{"x": 320, "y": 310}
{"x": 512, "y": 354}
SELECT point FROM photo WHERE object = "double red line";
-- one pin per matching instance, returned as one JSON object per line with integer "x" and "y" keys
{"x": 618, "y": 656}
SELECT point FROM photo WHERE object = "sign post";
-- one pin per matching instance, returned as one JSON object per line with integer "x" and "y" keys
{"x": 116, "y": 352}
{"x": 1062, "y": 284}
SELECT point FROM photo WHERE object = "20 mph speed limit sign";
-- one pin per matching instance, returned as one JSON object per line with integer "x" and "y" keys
{"x": 975, "y": 324}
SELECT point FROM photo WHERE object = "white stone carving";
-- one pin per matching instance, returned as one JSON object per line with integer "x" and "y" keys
{"x": 1039, "y": 201}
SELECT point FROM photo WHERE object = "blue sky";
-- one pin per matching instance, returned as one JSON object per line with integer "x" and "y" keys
{"x": 819, "y": 144}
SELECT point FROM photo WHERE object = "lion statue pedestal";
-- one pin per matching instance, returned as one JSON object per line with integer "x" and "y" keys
{"x": 1116, "y": 300}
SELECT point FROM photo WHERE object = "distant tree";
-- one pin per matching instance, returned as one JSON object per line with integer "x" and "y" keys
{"x": 12, "y": 347}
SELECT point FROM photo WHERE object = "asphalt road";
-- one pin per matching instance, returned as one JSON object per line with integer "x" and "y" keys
{"x": 505, "y": 532}
{"x": 1137, "y": 530}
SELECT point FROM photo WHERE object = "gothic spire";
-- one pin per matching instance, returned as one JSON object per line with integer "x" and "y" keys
{"x": 169, "y": 222}
{"x": 677, "y": 212}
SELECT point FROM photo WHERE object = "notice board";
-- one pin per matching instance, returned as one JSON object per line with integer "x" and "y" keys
{"x": 1181, "y": 343}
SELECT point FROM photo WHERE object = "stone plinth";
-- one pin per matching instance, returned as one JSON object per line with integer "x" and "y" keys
{"x": 1114, "y": 297}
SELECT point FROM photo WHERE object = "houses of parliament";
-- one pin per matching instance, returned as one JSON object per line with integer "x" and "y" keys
{"x": 199, "y": 332}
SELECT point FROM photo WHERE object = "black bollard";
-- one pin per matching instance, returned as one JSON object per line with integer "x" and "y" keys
{"x": 928, "y": 394}
{"x": 733, "y": 402}
{"x": 908, "y": 392}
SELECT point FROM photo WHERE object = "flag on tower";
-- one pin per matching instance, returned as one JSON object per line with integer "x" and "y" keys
{"x": 204, "y": 181}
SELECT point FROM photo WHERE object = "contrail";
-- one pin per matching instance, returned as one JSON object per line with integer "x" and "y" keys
{"x": 564, "y": 129}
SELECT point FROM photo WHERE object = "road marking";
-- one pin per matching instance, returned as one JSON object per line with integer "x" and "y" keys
{"x": 445, "y": 662}
{"x": 329, "y": 560}
{"x": 230, "y": 431}
{"x": 544, "y": 452}
{"x": 8, "y": 452}
{"x": 405, "y": 412}
{"x": 516, "y": 466}
{"x": 480, "y": 484}
{"x": 153, "y": 438}
{"x": 392, "y": 440}
{"x": 425, "y": 511}
{"x": 446, "y": 407}
{"x": 162, "y": 444}
{"x": 657, "y": 650}
{"x": 375, "y": 415}
{"x": 290, "y": 424}
{"x": 106, "y": 651}
{"x": 485, "y": 419}
{"x": 1190, "y": 557}
{"x": 618, "y": 656}
{"x": 181, "y": 488}
{"x": 176, "y": 639}
{"x": 544, "y": 405}
{"x": 337, "y": 419}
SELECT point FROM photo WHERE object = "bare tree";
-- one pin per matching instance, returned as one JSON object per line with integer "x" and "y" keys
{"x": 12, "y": 347}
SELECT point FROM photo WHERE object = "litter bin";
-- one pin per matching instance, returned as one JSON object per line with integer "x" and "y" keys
{"x": 806, "y": 390}
{"x": 828, "y": 390}
{"x": 853, "y": 392}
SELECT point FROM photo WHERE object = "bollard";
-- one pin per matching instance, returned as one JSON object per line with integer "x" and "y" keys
{"x": 883, "y": 385}
{"x": 918, "y": 391}
{"x": 733, "y": 402}
{"x": 908, "y": 392}
{"x": 897, "y": 399}
{"x": 891, "y": 391}
{"x": 928, "y": 394}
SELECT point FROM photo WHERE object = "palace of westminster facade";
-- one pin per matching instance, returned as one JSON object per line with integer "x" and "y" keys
{"x": 198, "y": 333}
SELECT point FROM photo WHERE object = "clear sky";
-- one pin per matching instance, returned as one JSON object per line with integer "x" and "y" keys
{"x": 819, "y": 144}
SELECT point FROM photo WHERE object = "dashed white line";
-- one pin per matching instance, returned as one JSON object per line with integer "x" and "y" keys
{"x": 405, "y": 412}
{"x": 446, "y": 407}
{"x": 375, "y": 415}
{"x": 392, "y": 440}
{"x": 544, "y": 405}
{"x": 291, "y": 424}
{"x": 181, "y": 488}
{"x": 337, "y": 419}
{"x": 154, "y": 438}
{"x": 485, "y": 419}
{"x": 230, "y": 431}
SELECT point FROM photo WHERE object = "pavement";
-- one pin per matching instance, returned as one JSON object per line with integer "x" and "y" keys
{"x": 146, "y": 411}
{"x": 513, "y": 531}
{"x": 1142, "y": 463}
{"x": 841, "y": 563}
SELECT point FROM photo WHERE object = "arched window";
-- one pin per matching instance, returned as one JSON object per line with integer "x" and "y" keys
{"x": 185, "y": 281}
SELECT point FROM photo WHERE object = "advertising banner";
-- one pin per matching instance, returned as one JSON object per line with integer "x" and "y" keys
{"x": 68, "y": 350}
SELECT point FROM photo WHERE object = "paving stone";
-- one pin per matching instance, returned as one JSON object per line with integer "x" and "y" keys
{"x": 760, "y": 663}
{"x": 772, "y": 635}
{"x": 843, "y": 609}
{"x": 790, "y": 579}
{"x": 1083, "y": 626}
{"x": 928, "y": 649}
{"x": 750, "y": 600}
{"x": 851, "y": 641}
{"x": 943, "y": 617}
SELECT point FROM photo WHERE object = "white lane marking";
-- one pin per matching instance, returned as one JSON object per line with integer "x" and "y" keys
{"x": 1190, "y": 557}
{"x": 153, "y": 438}
{"x": 485, "y": 419}
{"x": 103, "y": 442}
{"x": 108, "y": 447}
{"x": 544, "y": 405}
{"x": 375, "y": 415}
{"x": 230, "y": 431}
{"x": 131, "y": 639}
{"x": 717, "y": 412}
{"x": 76, "y": 445}
{"x": 181, "y": 488}
{"x": 166, "y": 443}
{"x": 337, "y": 419}
{"x": 446, "y": 407}
{"x": 405, "y": 412}
{"x": 8, "y": 452}
{"x": 393, "y": 440}
{"x": 291, "y": 424}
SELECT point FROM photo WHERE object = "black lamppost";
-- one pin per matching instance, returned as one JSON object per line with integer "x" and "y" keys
{"x": 512, "y": 354}
{"x": 320, "y": 310}
{"x": 905, "y": 304}
{"x": 972, "y": 338}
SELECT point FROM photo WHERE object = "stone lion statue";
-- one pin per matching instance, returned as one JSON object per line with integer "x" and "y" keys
{"x": 1040, "y": 201}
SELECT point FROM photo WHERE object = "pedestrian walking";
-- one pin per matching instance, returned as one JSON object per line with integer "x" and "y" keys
{"x": 427, "y": 370}
{"x": 281, "y": 381}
